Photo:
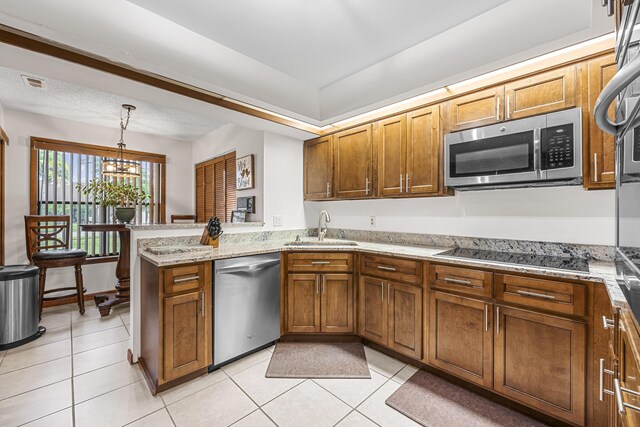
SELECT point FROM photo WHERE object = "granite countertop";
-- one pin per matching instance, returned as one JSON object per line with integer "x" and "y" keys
{"x": 599, "y": 271}
{"x": 190, "y": 225}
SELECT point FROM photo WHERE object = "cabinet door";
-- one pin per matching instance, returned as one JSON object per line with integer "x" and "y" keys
{"x": 336, "y": 308}
{"x": 629, "y": 373}
{"x": 303, "y": 303}
{"x": 599, "y": 147}
{"x": 423, "y": 151}
{"x": 542, "y": 93}
{"x": 461, "y": 337}
{"x": 373, "y": 310}
{"x": 391, "y": 137}
{"x": 318, "y": 169}
{"x": 353, "y": 162}
{"x": 186, "y": 339}
{"x": 539, "y": 360}
{"x": 476, "y": 109}
{"x": 405, "y": 319}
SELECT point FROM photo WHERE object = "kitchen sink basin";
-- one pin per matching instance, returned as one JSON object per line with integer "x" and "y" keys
{"x": 324, "y": 243}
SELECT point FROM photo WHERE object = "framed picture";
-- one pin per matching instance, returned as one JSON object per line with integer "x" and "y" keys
{"x": 238, "y": 216}
{"x": 244, "y": 172}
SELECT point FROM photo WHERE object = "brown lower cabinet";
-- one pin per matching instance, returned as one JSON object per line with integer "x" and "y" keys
{"x": 391, "y": 315}
{"x": 539, "y": 360}
{"x": 176, "y": 326}
{"x": 320, "y": 303}
{"x": 461, "y": 337}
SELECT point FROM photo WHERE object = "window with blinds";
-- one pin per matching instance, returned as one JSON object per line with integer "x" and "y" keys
{"x": 58, "y": 166}
{"x": 216, "y": 188}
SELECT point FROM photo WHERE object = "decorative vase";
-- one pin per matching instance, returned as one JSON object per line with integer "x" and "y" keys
{"x": 125, "y": 215}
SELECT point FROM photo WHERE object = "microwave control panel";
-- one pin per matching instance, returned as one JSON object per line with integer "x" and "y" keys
{"x": 557, "y": 147}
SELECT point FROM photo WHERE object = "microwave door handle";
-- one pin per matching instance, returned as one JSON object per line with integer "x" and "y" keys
{"x": 537, "y": 151}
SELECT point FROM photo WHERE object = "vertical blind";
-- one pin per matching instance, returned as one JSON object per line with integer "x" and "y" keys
{"x": 58, "y": 170}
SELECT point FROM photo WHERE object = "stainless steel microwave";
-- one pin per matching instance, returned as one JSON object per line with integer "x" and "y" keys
{"x": 537, "y": 151}
{"x": 631, "y": 143}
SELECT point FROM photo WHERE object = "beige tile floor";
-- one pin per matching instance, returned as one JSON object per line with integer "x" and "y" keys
{"x": 77, "y": 374}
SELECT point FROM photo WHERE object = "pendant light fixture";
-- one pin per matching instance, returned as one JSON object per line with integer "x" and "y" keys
{"x": 119, "y": 167}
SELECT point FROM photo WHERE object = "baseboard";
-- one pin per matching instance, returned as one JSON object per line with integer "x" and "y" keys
{"x": 72, "y": 299}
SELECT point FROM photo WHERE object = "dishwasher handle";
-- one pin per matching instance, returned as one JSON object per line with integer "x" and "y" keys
{"x": 247, "y": 267}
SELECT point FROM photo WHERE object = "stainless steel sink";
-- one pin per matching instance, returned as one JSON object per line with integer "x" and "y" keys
{"x": 324, "y": 243}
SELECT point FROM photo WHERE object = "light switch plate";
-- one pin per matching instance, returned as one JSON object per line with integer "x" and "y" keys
{"x": 277, "y": 220}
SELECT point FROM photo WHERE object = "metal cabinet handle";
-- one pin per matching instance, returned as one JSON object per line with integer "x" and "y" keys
{"x": 320, "y": 262}
{"x": 382, "y": 291}
{"x": 498, "y": 109}
{"x": 497, "y": 320}
{"x": 385, "y": 268}
{"x": 595, "y": 167}
{"x": 328, "y": 190}
{"x": 406, "y": 182}
{"x": 202, "y": 306}
{"x": 186, "y": 279}
{"x": 607, "y": 323}
{"x": 401, "y": 186}
{"x": 388, "y": 292}
{"x": 462, "y": 282}
{"x": 602, "y": 372}
{"x": 620, "y": 403}
{"x": 317, "y": 280}
{"x": 508, "y": 107}
{"x": 535, "y": 294}
{"x": 324, "y": 280}
{"x": 486, "y": 317}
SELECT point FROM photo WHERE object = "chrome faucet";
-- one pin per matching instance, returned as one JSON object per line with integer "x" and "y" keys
{"x": 321, "y": 232}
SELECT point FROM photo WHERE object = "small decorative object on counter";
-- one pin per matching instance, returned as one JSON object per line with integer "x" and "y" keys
{"x": 212, "y": 232}
{"x": 238, "y": 216}
{"x": 122, "y": 196}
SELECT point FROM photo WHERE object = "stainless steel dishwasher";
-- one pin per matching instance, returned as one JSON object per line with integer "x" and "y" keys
{"x": 246, "y": 306}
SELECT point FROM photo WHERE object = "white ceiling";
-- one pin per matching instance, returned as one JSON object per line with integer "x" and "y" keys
{"x": 318, "y": 42}
{"x": 74, "y": 102}
{"x": 317, "y": 61}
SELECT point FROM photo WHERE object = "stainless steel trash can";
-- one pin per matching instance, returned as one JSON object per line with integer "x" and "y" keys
{"x": 19, "y": 307}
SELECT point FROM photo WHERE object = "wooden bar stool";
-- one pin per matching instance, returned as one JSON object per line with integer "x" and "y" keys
{"x": 48, "y": 246}
{"x": 175, "y": 218}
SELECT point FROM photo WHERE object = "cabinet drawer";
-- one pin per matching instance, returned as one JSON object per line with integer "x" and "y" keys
{"x": 465, "y": 280}
{"x": 319, "y": 261}
{"x": 402, "y": 270}
{"x": 561, "y": 297}
{"x": 184, "y": 278}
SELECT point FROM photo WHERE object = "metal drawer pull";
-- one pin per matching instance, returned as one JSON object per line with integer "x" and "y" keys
{"x": 328, "y": 190}
{"x": 602, "y": 372}
{"x": 607, "y": 323}
{"x": 406, "y": 182}
{"x": 320, "y": 262}
{"x": 620, "y": 403}
{"x": 595, "y": 167}
{"x": 401, "y": 186}
{"x": 535, "y": 294}
{"x": 186, "y": 279}
{"x": 498, "y": 109}
{"x": 382, "y": 267}
{"x": 462, "y": 282}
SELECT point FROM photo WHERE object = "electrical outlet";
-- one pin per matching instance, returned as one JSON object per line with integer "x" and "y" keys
{"x": 372, "y": 221}
{"x": 277, "y": 220}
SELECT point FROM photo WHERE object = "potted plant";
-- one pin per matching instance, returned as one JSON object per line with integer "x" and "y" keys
{"x": 122, "y": 196}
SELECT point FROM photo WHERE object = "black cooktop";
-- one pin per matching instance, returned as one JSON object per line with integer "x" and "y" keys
{"x": 555, "y": 262}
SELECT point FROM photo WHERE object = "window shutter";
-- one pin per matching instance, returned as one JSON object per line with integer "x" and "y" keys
{"x": 208, "y": 191}
{"x": 200, "y": 188}
{"x": 220, "y": 199}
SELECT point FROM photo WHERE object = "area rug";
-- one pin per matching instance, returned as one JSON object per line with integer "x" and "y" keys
{"x": 434, "y": 402}
{"x": 318, "y": 360}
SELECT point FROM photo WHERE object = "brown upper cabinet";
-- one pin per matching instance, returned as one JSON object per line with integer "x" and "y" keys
{"x": 353, "y": 151}
{"x": 542, "y": 93}
{"x": 599, "y": 148}
{"x": 409, "y": 153}
{"x": 481, "y": 108}
{"x": 318, "y": 169}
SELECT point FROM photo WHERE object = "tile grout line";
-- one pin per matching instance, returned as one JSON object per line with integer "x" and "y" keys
{"x": 73, "y": 396}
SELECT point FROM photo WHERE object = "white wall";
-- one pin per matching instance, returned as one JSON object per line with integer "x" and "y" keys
{"x": 1, "y": 116}
{"x": 283, "y": 177}
{"x": 560, "y": 214}
{"x": 20, "y": 126}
